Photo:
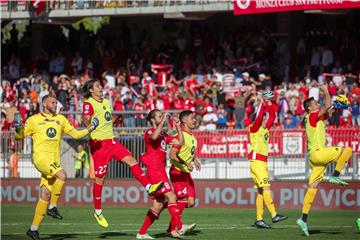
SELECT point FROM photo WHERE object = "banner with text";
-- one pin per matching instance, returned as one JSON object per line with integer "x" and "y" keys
{"x": 267, "y": 6}
{"x": 282, "y": 142}
{"x": 209, "y": 193}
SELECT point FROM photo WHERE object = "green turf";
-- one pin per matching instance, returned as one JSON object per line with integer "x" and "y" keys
{"x": 219, "y": 224}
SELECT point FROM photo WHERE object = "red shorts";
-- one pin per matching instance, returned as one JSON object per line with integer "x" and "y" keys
{"x": 183, "y": 183}
{"x": 103, "y": 151}
{"x": 156, "y": 175}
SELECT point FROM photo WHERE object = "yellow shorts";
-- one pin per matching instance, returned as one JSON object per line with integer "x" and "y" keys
{"x": 47, "y": 165}
{"x": 47, "y": 182}
{"x": 260, "y": 173}
{"x": 319, "y": 159}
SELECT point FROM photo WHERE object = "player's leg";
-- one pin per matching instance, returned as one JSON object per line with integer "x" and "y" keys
{"x": 150, "y": 218}
{"x": 357, "y": 223}
{"x": 97, "y": 193}
{"x": 275, "y": 217}
{"x": 57, "y": 186}
{"x": 259, "y": 222}
{"x": 316, "y": 176}
{"x": 40, "y": 210}
{"x": 345, "y": 155}
{"x": 119, "y": 152}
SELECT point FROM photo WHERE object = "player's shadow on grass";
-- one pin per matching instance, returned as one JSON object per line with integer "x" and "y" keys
{"x": 330, "y": 232}
{"x": 60, "y": 236}
{"x": 188, "y": 234}
{"x": 105, "y": 235}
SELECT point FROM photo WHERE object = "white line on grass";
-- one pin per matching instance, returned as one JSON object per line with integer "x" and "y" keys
{"x": 161, "y": 229}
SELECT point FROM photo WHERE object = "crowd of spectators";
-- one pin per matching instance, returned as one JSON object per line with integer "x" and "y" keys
{"x": 218, "y": 77}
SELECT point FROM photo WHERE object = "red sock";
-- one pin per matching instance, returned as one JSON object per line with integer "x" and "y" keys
{"x": 139, "y": 174}
{"x": 97, "y": 189}
{"x": 150, "y": 218}
{"x": 175, "y": 216}
{"x": 180, "y": 205}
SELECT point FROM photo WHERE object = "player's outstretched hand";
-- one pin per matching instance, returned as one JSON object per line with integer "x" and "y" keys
{"x": 176, "y": 121}
{"x": 324, "y": 88}
{"x": 197, "y": 164}
{"x": 164, "y": 117}
{"x": 94, "y": 124}
{"x": 18, "y": 122}
{"x": 190, "y": 167}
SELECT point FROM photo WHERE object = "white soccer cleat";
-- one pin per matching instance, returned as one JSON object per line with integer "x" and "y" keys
{"x": 191, "y": 227}
{"x": 144, "y": 236}
{"x": 184, "y": 229}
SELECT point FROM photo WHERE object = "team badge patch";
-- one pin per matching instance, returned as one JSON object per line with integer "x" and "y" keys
{"x": 58, "y": 123}
{"x": 104, "y": 107}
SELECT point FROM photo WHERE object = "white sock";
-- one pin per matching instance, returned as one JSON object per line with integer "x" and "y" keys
{"x": 98, "y": 211}
{"x": 148, "y": 187}
{"x": 33, "y": 228}
{"x": 51, "y": 206}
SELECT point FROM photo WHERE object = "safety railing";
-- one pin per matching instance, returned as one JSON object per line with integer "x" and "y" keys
{"x": 223, "y": 154}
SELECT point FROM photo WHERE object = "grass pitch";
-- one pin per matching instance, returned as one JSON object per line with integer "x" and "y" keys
{"x": 217, "y": 224}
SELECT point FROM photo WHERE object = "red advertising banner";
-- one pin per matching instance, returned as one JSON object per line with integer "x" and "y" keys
{"x": 267, "y": 6}
{"x": 209, "y": 193}
{"x": 282, "y": 142}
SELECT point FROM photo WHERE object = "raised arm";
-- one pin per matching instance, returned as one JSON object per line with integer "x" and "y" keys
{"x": 180, "y": 137}
{"x": 258, "y": 120}
{"x": 272, "y": 115}
{"x": 69, "y": 129}
{"x": 20, "y": 130}
{"x": 158, "y": 129}
{"x": 324, "y": 109}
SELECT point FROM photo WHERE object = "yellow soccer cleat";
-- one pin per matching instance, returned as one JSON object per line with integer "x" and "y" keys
{"x": 154, "y": 188}
{"x": 101, "y": 220}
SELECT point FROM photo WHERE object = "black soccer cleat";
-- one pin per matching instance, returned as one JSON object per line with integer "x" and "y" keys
{"x": 261, "y": 224}
{"x": 54, "y": 213}
{"x": 33, "y": 234}
{"x": 278, "y": 218}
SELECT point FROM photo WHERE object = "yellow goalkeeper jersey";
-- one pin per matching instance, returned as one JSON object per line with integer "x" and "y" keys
{"x": 46, "y": 131}
{"x": 186, "y": 152}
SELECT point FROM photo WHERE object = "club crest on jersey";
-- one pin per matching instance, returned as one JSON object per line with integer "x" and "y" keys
{"x": 58, "y": 123}
{"x": 104, "y": 107}
{"x": 51, "y": 132}
{"x": 107, "y": 116}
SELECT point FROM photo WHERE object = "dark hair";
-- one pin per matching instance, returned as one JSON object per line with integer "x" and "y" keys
{"x": 85, "y": 91}
{"x": 184, "y": 114}
{"x": 306, "y": 104}
{"x": 151, "y": 114}
{"x": 46, "y": 97}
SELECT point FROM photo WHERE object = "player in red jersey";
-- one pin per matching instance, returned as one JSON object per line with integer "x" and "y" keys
{"x": 155, "y": 160}
{"x": 104, "y": 146}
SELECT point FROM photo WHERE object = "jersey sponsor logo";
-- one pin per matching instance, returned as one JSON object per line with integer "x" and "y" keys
{"x": 51, "y": 132}
{"x": 107, "y": 116}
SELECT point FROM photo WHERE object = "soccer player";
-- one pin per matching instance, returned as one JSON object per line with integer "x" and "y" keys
{"x": 319, "y": 154}
{"x": 104, "y": 146}
{"x": 259, "y": 146}
{"x": 46, "y": 130}
{"x": 155, "y": 160}
{"x": 183, "y": 162}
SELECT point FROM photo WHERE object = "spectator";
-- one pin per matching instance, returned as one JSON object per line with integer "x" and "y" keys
{"x": 210, "y": 119}
{"x": 5, "y": 125}
{"x": 222, "y": 117}
{"x": 13, "y": 164}
{"x": 81, "y": 162}
{"x": 355, "y": 112}
{"x": 314, "y": 90}
{"x": 77, "y": 64}
{"x": 290, "y": 121}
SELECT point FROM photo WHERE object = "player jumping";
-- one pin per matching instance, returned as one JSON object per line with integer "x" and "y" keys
{"x": 155, "y": 160}
{"x": 320, "y": 155}
{"x": 259, "y": 145}
{"x": 104, "y": 146}
{"x": 46, "y": 130}
{"x": 183, "y": 161}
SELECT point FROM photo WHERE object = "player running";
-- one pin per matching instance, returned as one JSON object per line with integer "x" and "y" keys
{"x": 319, "y": 154}
{"x": 259, "y": 145}
{"x": 104, "y": 146}
{"x": 183, "y": 162}
{"x": 46, "y": 130}
{"x": 155, "y": 160}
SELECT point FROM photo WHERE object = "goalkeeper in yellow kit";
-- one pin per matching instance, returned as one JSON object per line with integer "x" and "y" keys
{"x": 319, "y": 154}
{"x": 46, "y": 130}
{"x": 258, "y": 155}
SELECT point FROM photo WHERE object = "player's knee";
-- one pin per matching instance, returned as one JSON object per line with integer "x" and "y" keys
{"x": 348, "y": 150}
{"x": 61, "y": 175}
{"x": 191, "y": 202}
{"x": 45, "y": 194}
{"x": 315, "y": 184}
{"x": 171, "y": 197}
{"x": 157, "y": 206}
{"x": 100, "y": 180}
{"x": 129, "y": 160}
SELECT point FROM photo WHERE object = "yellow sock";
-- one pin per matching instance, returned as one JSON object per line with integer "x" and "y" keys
{"x": 56, "y": 191}
{"x": 39, "y": 212}
{"x": 309, "y": 199}
{"x": 343, "y": 159}
{"x": 269, "y": 202}
{"x": 259, "y": 207}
